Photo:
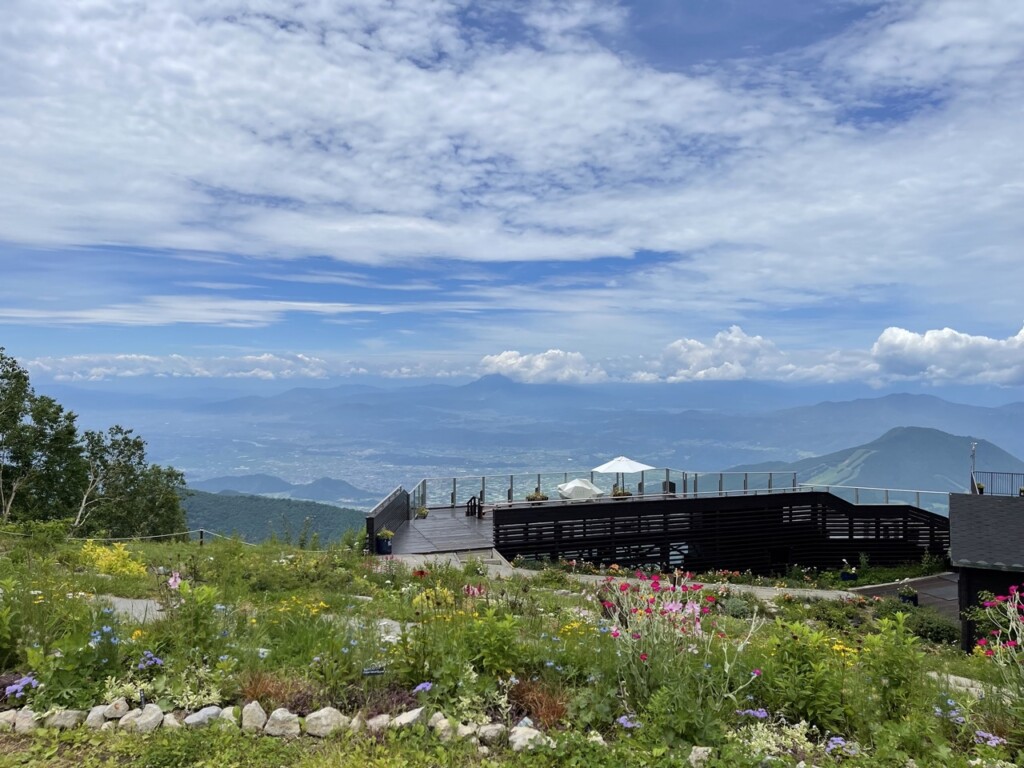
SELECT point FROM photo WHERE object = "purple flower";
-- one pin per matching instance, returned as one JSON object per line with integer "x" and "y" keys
{"x": 625, "y": 722}
{"x": 760, "y": 713}
{"x": 989, "y": 739}
{"x": 422, "y": 687}
{"x": 18, "y": 688}
{"x": 842, "y": 746}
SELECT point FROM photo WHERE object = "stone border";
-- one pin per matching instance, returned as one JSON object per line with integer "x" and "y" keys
{"x": 280, "y": 723}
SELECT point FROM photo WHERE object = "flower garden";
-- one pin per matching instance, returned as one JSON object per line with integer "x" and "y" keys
{"x": 614, "y": 668}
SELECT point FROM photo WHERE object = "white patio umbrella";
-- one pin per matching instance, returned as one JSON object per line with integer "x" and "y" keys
{"x": 580, "y": 488}
{"x": 621, "y": 465}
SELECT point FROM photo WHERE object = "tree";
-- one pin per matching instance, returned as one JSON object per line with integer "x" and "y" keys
{"x": 15, "y": 394}
{"x": 39, "y": 456}
{"x": 113, "y": 460}
{"x": 97, "y": 481}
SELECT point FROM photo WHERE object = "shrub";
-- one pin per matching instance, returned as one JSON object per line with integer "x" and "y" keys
{"x": 114, "y": 560}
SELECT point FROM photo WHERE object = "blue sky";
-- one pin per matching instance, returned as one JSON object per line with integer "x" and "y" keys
{"x": 556, "y": 190}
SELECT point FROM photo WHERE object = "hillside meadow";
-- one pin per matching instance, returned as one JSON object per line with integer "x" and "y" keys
{"x": 615, "y": 669}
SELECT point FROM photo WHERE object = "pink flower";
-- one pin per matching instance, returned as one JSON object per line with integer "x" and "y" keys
{"x": 982, "y": 641}
{"x": 643, "y": 657}
{"x": 616, "y": 633}
{"x": 756, "y": 672}
{"x": 175, "y": 581}
{"x": 623, "y": 587}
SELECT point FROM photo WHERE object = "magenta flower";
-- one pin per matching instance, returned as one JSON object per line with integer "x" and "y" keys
{"x": 175, "y": 581}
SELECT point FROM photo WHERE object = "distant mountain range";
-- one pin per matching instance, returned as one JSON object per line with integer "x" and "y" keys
{"x": 258, "y": 518}
{"x": 379, "y": 437}
{"x": 913, "y": 458}
{"x": 326, "y": 489}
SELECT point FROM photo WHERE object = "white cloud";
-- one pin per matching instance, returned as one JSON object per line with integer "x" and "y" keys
{"x": 213, "y": 310}
{"x": 255, "y": 366}
{"x": 950, "y": 356}
{"x": 730, "y": 355}
{"x": 923, "y": 43}
{"x": 551, "y": 366}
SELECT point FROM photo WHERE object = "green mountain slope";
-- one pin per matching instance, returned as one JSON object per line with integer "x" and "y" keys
{"x": 326, "y": 489}
{"x": 914, "y": 458}
{"x": 257, "y": 518}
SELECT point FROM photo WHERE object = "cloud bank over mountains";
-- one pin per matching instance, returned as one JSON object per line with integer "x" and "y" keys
{"x": 937, "y": 357}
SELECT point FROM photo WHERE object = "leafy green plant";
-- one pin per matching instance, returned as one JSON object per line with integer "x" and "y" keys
{"x": 805, "y": 677}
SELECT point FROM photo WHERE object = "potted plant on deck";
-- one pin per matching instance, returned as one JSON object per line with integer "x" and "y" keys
{"x": 537, "y": 495}
{"x": 907, "y": 594}
{"x": 848, "y": 573}
{"x": 981, "y": 488}
{"x": 620, "y": 493}
{"x": 384, "y": 537}
{"x": 421, "y": 513}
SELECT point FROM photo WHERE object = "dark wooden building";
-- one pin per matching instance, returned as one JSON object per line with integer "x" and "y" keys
{"x": 987, "y": 546}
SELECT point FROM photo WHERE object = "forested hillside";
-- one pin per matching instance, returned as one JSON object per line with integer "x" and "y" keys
{"x": 258, "y": 518}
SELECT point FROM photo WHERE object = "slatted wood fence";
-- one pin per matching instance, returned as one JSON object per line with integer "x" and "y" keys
{"x": 765, "y": 533}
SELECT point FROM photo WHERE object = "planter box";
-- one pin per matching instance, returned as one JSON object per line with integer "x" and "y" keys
{"x": 910, "y": 599}
{"x": 383, "y": 546}
{"x": 847, "y": 576}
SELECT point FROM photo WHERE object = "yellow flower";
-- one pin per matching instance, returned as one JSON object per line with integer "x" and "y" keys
{"x": 138, "y": 634}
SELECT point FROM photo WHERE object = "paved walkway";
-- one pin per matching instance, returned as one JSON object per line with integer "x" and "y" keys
{"x": 938, "y": 591}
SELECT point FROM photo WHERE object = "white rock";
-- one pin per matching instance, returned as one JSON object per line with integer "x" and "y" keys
{"x": 108, "y": 725}
{"x": 253, "y": 717}
{"x": 465, "y": 731}
{"x": 326, "y": 721}
{"x": 282, "y": 723}
{"x": 484, "y": 751}
{"x": 25, "y": 722}
{"x": 699, "y": 756}
{"x": 444, "y": 731}
{"x": 228, "y": 716}
{"x": 117, "y": 709}
{"x": 96, "y": 718}
{"x": 151, "y": 718}
{"x": 436, "y": 718}
{"x": 491, "y": 734}
{"x": 202, "y": 718}
{"x": 7, "y": 719}
{"x": 407, "y": 719}
{"x": 390, "y": 630}
{"x": 63, "y": 719}
{"x": 357, "y": 724}
{"x": 128, "y": 721}
{"x": 521, "y": 737}
{"x": 377, "y": 724}
{"x": 170, "y": 721}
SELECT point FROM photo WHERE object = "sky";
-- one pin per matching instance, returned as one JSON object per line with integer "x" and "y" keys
{"x": 805, "y": 191}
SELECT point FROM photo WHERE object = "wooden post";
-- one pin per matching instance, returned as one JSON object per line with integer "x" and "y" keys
{"x": 201, "y": 532}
